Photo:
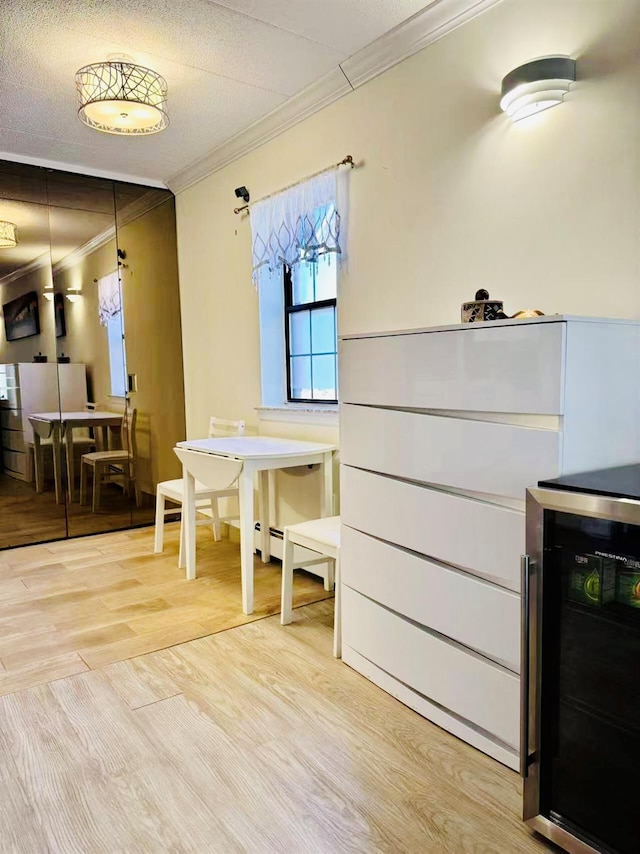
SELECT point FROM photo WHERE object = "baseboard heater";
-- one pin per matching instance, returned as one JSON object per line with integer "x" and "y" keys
{"x": 300, "y": 554}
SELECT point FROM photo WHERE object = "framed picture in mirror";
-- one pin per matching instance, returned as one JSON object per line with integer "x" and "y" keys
{"x": 21, "y": 317}
{"x": 58, "y": 308}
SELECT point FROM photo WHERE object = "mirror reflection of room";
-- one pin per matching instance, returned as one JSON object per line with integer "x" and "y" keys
{"x": 90, "y": 353}
{"x": 78, "y": 424}
{"x": 28, "y": 370}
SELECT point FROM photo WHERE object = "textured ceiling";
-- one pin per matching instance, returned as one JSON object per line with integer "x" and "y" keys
{"x": 227, "y": 64}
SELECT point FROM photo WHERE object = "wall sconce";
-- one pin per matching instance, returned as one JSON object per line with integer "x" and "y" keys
{"x": 48, "y": 293}
{"x": 537, "y": 85}
{"x": 73, "y": 295}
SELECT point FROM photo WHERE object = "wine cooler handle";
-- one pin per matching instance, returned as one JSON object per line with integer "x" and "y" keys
{"x": 525, "y": 637}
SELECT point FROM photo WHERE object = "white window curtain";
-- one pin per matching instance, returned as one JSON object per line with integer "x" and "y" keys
{"x": 300, "y": 223}
{"x": 109, "y": 302}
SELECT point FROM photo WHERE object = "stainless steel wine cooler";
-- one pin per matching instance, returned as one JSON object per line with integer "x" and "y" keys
{"x": 580, "y": 728}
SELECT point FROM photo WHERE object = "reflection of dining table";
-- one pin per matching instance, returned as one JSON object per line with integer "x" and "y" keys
{"x": 55, "y": 425}
{"x": 259, "y": 454}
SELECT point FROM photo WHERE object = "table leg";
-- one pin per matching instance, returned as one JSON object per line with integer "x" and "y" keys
{"x": 326, "y": 505}
{"x": 37, "y": 462}
{"x": 71, "y": 462}
{"x": 189, "y": 522}
{"x": 245, "y": 488}
{"x": 57, "y": 462}
{"x": 265, "y": 522}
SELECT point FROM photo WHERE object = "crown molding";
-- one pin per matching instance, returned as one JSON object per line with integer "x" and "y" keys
{"x": 136, "y": 209}
{"x": 35, "y": 264}
{"x": 87, "y": 248}
{"x": 432, "y": 23}
{"x": 410, "y": 37}
{"x": 295, "y": 109}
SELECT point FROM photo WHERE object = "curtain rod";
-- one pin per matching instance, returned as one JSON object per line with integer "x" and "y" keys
{"x": 346, "y": 161}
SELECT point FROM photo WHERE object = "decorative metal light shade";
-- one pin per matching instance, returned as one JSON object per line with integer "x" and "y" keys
{"x": 8, "y": 234}
{"x": 120, "y": 97}
{"x": 537, "y": 85}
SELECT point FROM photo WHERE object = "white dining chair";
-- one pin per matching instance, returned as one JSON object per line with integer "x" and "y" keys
{"x": 218, "y": 474}
{"x": 321, "y": 536}
{"x": 206, "y": 498}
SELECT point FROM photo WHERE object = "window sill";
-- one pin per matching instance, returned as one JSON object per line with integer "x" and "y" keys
{"x": 301, "y": 413}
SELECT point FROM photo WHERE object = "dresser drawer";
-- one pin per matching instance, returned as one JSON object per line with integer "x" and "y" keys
{"x": 479, "y": 456}
{"x": 12, "y": 440}
{"x": 13, "y": 398}
{"x": 476, "y": 690}
{"x": 11, "y": 419}
{"x": 14, "y": 461}
{"x": 478, "y": 615}
{"x": 483, "y": 539}
{"x": 488, "y": 369}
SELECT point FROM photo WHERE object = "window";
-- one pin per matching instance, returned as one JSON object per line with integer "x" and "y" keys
{"x": 296, "y": 250}
{"x": 117, "y": 366}
{"x": 111, "y": 317}
{"x": 310, "y": 290}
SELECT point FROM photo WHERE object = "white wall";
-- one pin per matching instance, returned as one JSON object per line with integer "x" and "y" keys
{"x": 451, "y": 196}
{"x": 24, "y": 349}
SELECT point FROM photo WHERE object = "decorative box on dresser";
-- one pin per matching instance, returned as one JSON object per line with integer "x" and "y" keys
{"x": 442, "y": 430}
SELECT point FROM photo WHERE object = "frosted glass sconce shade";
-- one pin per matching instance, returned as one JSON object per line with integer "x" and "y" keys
{"x": 537, "y": 85}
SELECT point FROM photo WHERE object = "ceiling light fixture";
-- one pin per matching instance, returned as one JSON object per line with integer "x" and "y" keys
{"x": 8, "y": 234}
{"x": 537, "y": 85}
{"x": 118, "y": 96}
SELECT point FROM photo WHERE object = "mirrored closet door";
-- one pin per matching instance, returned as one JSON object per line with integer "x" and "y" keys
{"x": 30, "y": 511}
{"x": 90, "y": 353}
{"x": 91, "y": 386}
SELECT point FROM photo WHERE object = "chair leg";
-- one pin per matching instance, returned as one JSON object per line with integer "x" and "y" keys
{"x": 158, "y": 540}
{"x": 216, "y": 519}
{"x": 286, "y": 603}
{"x": 83, "y": 481}
{"x": 337, "y": 614}
{"x": 97, "y": 477}
{"x": 182, "y": 558}
{"x": 329, "y": 579}
{"x": 137, "y": 493}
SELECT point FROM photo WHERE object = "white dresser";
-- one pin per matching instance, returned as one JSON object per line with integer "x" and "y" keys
{"x": 442, "y": 430}
{"x": 29, "y": 387}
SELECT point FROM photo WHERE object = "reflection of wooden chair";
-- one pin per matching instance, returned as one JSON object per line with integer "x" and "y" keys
{"x": 206, "y": 498}
{"x": 35, "y": 464}
{"x": 113, "y": 465}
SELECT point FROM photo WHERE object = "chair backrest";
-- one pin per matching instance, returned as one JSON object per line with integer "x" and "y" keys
{"x": 129, "y": 432}
{"x": 220, "y": 427}
{"x": 214, "y": 472}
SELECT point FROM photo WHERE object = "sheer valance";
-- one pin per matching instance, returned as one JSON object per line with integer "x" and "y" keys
{"x": 109, "y": 302}
{"x": 299, "y": 224}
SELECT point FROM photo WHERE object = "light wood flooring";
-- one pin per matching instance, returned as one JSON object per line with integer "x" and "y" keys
{"x": 27, "y": 517}
{"x": 252, "y": 740}
{"x": 79, "y": 604}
